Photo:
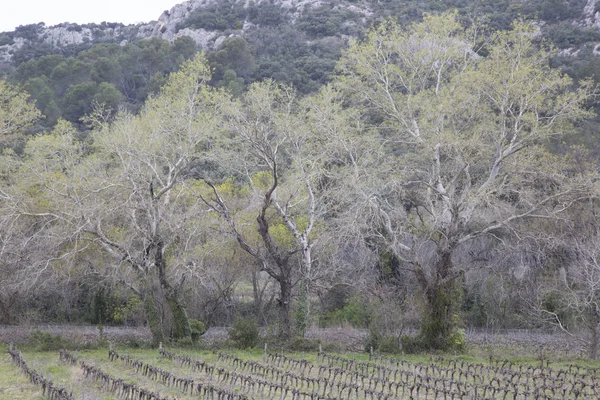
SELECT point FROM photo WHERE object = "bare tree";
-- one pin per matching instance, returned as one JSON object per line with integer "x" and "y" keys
{"x": 127, "y": 198}
{"x": 270, "y": 157}
{"x": 456, "y": 148}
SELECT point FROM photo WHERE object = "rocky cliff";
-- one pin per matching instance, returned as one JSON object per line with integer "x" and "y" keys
{"x": 170, "y": 25}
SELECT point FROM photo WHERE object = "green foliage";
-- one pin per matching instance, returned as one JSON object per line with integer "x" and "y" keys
{"x": 554, "y": 306}
{"x": 6, "y": 39}
{"x": 327, "y": 20}
{"x": 389, "y": 344}
{"x": 440, "y": 327}
{"x": 29, "y": 32}
{"x": 231, "y": 64}
{"x": 384, "y": 343}
{"x": 181, "y": 323}
{"x": 106, "y": 70}
{"x": 108, "y": 97}
{"x": 17, "y": 115}
{"x": 454, "y": 342}
{"x": 129, "y": 311}
{"x": 198, "y": 329}
{"x": 286, "y": 54}
{"x": 99, "y": 308}
{"x": 45, "y": 341}
{"x": 266, "y": 14}
{"x": 108, "y": 74}
{"x": 217, "y": 16}
{"x": 372, "y": 340}
{"x": 475, "y": 310}
{"x": 355, "y": 311}
{"x": 244, "y": 333}
{"x": 303, "y": 55}
{"x": 565, "y": 35}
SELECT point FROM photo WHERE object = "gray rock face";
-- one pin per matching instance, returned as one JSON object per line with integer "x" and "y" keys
{"x": 165, "y": 27}
{"x": 62, "y": 35}
{"x": 591, "y": 17}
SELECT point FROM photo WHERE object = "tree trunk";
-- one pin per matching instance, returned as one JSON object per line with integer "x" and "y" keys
{"x": 259, "y": 298}
{"x": 285, "y": 286}
{"x": 593, "y": 322}
{"x": 152, "y": 312}
{"x": 301, "y": 313}
{"x": 181, "y": 323}
{"x": 594, "y": 344}
{"x": 439, "y": 326}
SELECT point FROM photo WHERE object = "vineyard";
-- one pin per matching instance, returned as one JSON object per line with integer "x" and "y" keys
{"x": 161, "y": 375}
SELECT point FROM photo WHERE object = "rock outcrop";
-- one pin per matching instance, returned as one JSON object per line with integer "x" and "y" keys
{"x": 168, "y": 26}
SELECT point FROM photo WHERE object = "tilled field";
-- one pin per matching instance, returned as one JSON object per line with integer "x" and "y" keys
{"x": 166, "y": 374}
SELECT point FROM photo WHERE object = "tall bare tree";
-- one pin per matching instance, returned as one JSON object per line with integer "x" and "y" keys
{"x": 267, "y": 143}
{"x": 457, "y": 147}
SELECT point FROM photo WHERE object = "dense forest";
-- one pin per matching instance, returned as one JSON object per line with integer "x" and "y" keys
{"x": 431, "y": 167}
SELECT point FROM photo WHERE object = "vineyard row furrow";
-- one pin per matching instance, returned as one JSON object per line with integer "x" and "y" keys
{"x": 117, "y": 386}
{"x": 187, "y": 385}
{"x": 49, "y": 389}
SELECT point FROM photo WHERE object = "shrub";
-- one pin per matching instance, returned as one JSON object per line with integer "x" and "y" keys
{"x": 198, "y": 329}
{"x": 355, "y": 311}
{"x": 244, "y": 333}
{"x": 411, "y": 345}
{"x": 373, "y": 339}
{"x": 390, "y": 344}
{"x": 382, "y": 343}
{"x": 45, "y": 341}
{"x": 455, "y": 342}
{"x": 225, "y": 15}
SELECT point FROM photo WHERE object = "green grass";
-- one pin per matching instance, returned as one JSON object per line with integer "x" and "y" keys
{"x": 14, "y": 385}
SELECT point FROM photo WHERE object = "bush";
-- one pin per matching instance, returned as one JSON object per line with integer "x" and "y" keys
{"x": 382, "y": 343}
{"x": 411, "y": 345}
{"x": 355, "y": 311}
{"x": 455, "y": 342}
{"x": 372, "y": 341}
{"x": 198, "y": 329}
{"x": 390, "y": 344}
{"x": 244, "y": 333}
{"x": 45, "y": 341}
{"x": 225, "y": 15}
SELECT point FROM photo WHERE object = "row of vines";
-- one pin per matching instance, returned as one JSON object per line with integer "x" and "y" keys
{"x": 225, "y": 376}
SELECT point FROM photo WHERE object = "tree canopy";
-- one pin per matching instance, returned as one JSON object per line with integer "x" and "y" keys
{"x": 434, "y": 149}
